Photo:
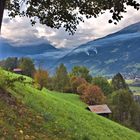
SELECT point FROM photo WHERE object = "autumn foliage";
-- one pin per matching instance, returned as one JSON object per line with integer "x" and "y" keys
{"x": 82, "y": 88}
{"x": 76, "y": 82}
{"x": 93, "y": 95}
{"x": 41, "y": 77}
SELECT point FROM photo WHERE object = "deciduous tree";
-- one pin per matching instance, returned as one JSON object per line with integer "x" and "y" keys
{"x": 41, "y": 77}
{"x": 10, "y": 63}
{"x": 82, "y": 88}
{"x": 66, "y": 13}
{"x": 93, "y": 95}
{"x": 122, "y": 101}
{"x": 135, "y": 116}
{"x": 81, "y": 71}
{"x": 27, "y": 66}
{"x": 76, "y": 82}
{"x": 61, "y": 79}
{"x": 103, "y": 84}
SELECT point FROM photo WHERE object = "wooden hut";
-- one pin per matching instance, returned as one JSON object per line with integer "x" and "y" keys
{"x": 102, "y": 110}
{"x": 18, "y": 71}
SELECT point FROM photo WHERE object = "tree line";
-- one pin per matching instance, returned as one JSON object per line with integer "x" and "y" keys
{"x": 25, "y": 64}
{"x": 91, "y": 90}
{"x": 94, "y": 91}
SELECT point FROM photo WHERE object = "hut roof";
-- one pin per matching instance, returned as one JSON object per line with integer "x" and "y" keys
{"x": 17, "y": 70}
{"x": 100, "y": 109}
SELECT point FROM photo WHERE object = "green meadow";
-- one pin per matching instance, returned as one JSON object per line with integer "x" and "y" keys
{"x": 28, "y": 113}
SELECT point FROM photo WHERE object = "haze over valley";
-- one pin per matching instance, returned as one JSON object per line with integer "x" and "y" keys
{"x": 117, "y": 52}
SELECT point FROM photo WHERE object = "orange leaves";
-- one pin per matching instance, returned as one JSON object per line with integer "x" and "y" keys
{"x": 93, "y": 95}
{"x": 76, "y": 82}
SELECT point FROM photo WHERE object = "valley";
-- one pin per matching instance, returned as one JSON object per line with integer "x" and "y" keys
{"x": 117, "y": 52}
{"x": 69, "y": 70}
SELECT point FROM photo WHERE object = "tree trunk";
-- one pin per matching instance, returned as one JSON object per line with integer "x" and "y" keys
{"x": 2, "y": 5}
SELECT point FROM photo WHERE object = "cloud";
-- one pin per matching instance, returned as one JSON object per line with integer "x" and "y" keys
{"x": 21, "y": 32}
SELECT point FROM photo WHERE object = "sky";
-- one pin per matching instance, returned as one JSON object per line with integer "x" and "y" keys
{"x": 20, "y": 31}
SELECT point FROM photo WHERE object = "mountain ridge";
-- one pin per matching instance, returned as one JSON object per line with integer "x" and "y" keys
{"x": 119, "y": 50}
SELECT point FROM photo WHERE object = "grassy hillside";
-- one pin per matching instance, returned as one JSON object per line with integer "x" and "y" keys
{"x": 18, "y": 121}
{"x": 27, "y": 113}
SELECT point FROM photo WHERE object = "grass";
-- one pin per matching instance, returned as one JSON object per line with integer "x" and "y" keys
{"x": 14, "y": 75}
{"x": 63, "y": 117}
{"x": 18, "y": 121}
{"x": 71, "y": 98}
{"x": 128, "y": 81}
{"x": 135, "y": 90}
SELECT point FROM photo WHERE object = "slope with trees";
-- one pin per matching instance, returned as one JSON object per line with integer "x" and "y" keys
{"x": 25, "y": 64}
{"x": 50, "y": 115}
{"x": 124, "y": 108}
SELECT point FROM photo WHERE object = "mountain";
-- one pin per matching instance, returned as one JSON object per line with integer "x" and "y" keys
{"x": 6, "y": 49}
{"x": 43, "y": 53}
{"x": 30, "y": 114}
{"x": 117, "y": 52}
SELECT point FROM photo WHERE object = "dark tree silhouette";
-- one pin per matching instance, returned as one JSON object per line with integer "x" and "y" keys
{"x": 66, "y": 13}
{"x": 2, "y": 5}
{"x": 118, "y": 82}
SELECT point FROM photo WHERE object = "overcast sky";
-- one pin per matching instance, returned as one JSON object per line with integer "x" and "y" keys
{"x": 20, "y": 31}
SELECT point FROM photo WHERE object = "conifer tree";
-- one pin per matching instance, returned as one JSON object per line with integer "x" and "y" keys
{"x": 118, "y": 82}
